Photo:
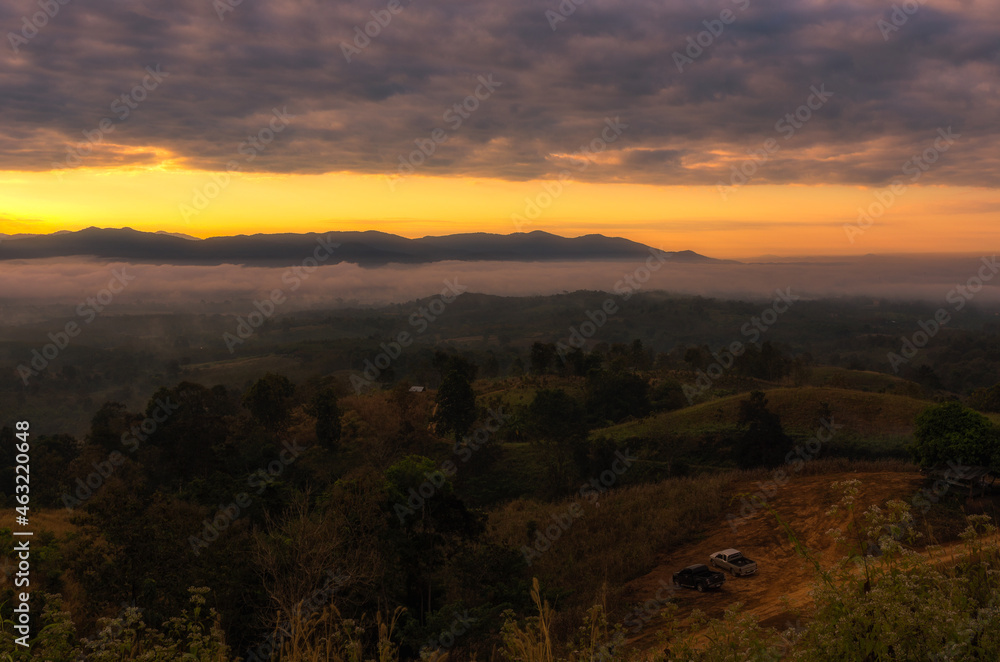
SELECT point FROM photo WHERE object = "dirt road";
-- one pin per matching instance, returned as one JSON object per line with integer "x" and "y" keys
{"x": 802, "y": 503}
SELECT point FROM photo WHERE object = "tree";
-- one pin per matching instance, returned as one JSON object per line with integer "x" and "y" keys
{"x": 428, "y": 519}
{"x": 446, "y": 363}
{"x": 50, "y": 459}
{"x": 558, "y": 421}
{"x": 542, "y": 355}
{"x": 694, "y": 357}
{"x": 184, "y": 432}
{"x": 951, "y": 432}
{"x": 614, "y": 396}
{"x": 269, "y": 401}
{"x": 456, "y": 405}
{"x": 763, "y": 441}
{"x": 667, "y": 395}
{"x": 986, "y": 399}
{"x": 324, "y": 408}
{"x": 108, "y": 425}
{"x": 575, "y": 361}
{"x": 773, "y": 364}
{"x": 764, "y": 363}
{"x": 556, "y": 416}
{"x": 131, "y": 547}
{"x": 926, "y": 377}
{"x": 640, "y": 358}
{"x": 492, "y": 368}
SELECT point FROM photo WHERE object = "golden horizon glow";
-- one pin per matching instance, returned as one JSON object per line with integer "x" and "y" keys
{"x": 780, "y": 220}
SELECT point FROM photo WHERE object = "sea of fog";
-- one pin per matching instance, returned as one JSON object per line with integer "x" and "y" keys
{"x": 37, "y": 284}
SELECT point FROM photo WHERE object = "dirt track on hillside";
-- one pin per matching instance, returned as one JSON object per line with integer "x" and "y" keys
{"x": 802, "y": 503}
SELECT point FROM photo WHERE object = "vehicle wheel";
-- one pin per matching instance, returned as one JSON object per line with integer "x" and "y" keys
{"x": 701, "y": 588}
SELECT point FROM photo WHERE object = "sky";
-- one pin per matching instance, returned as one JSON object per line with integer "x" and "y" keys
{"x": 730, "y": 127}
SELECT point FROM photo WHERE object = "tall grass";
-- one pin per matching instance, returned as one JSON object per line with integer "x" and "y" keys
{"x": 329, "y": 637}
{"x": 617, "y": 538}
{"x": 533, "y": 641}
{"x": 894, "y": 605}
{"x": 620, "y": 537}
{"x": 830, "y": 465}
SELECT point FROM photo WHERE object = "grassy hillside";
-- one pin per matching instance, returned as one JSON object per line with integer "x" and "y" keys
{"x": 800, "y": 408}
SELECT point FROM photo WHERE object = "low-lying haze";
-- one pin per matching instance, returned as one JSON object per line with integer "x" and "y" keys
{"x": 38, "y": 284}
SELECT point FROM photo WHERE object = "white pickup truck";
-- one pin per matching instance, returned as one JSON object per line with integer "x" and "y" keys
{"x": 733, "y": 561}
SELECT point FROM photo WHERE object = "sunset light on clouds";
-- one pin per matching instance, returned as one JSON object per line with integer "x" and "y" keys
{"x": 463, "y": 117}
{"x": 324, "y": 323}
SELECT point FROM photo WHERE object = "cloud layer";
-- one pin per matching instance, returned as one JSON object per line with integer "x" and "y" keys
{"x": 35, "y": 284}
{"x": 222, "y": 79}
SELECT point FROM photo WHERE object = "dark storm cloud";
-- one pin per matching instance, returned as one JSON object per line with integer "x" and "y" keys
{"x": 608, "y": 58}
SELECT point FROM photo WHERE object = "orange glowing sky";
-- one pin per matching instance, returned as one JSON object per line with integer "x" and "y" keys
{"x": 838, "y": 106}
{"x": 753, "y": 221}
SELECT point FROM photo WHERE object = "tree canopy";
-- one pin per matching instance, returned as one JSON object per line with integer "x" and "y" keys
{"x": 950, "y": 432}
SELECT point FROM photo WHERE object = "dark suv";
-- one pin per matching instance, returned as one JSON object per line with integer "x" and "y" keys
{"x": 699, "y": 577}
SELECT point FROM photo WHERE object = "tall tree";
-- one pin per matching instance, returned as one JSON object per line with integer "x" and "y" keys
{"x": 542, "y": 355}
{"x": 324, "y": 408}
{"x": 456, "y": 405}
{"x": 108, "y": 424}
{"x": 269, "y": 401}
{"x": 559, "y": 422}
{"x": 184, "y": 432}
{"x": 763, "y": 442}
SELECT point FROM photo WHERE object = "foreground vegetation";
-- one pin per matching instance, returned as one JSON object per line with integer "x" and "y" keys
{"x": 499, "y": 514}
{"x": 895, "y": 603}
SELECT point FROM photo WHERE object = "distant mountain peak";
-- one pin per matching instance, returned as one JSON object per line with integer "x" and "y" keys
{"x": 366, "y": 248}
{"x": 179, "y": 235}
